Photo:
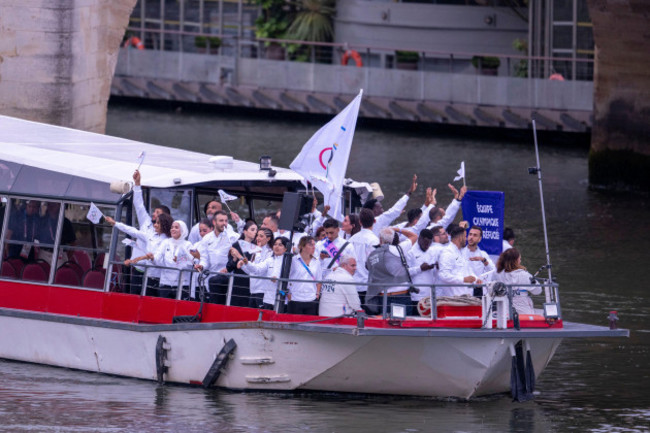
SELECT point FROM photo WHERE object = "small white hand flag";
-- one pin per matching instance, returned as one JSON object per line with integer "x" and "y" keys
{"x": 225, "y": 197}
{"x": 94, "y": 214}
{"x": 140, "y": 159}
{"x": 461, "y": 172}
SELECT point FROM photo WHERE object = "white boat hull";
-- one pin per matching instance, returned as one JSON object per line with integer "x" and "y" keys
{"x": 274, "y": 357}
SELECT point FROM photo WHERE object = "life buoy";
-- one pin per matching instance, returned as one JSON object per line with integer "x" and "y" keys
{"x": 556, "y": 77}
{"x": 135, "y": 42}
{"x": 354, "y": 55}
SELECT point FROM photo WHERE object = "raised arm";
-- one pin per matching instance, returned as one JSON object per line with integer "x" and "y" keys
{"x": 144, "y": 220}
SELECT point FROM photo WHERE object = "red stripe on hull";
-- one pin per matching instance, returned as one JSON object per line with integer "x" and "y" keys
{"x": 148, "y": 310}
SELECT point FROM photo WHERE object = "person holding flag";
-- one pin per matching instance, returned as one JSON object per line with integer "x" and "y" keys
{"x": 146, "y": 225}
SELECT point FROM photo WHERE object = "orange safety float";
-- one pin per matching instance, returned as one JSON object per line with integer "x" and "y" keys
{"x": 354, "y": 55}
{"x": 135, "y": 42}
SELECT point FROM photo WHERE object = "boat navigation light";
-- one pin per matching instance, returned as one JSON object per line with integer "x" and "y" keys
{"x": 397, "y": 312}
{"x": 550, "y": 312}
{"x": 265, "y": 162}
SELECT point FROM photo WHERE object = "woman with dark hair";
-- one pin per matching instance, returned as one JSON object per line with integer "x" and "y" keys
{"x": 263, "y": 240}
{"x": 351, "y": 225}
{"x": 270, "y": 268}
{"x": 244, "y": 247}
{"x": 511, "y": 272}
{"x": 162, "y": 230}
{"x": 303, "y": 296}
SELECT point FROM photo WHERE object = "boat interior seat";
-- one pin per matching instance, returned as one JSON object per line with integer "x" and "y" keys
{"x": 34, "y": 272}
{"x": 93, "y": 279}
{"x": 18, "y": 265}
{"x": 82, "y": 258}
{"x": 67, "y": 276}
{"x": 8, "y": 270}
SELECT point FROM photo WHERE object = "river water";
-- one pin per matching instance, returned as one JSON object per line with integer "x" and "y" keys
{"x": 599, "y": 250}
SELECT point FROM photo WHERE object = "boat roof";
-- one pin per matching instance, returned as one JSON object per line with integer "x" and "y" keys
{"x": 86, "y": 156}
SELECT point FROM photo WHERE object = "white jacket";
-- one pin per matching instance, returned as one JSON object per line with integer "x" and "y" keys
{"x": 522, "y": 303}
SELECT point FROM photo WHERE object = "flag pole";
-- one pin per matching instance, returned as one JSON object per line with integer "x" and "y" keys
{"x": 538, "y": 170}
{"x": 141, "y": 158}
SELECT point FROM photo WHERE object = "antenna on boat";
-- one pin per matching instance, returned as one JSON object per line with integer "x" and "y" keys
{"x": 538, "y": 170}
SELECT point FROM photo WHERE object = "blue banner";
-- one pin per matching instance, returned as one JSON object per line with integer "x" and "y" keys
{"x": 485, "y": 209}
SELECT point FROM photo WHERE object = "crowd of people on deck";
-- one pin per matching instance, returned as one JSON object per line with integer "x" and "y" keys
{"x": 337, "y": 268}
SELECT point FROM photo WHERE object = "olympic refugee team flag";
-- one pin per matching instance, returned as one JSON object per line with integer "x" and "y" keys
{"x": 323, "y": 160}
{"x": 485, "y": 209}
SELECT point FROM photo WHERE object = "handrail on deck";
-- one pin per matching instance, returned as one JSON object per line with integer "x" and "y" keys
{"x": 550, "y": 288}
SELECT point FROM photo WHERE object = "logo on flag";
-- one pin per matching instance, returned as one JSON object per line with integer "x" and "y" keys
{"x": 323, "y": 160}
{"x": 225, "y": 197}
{"x": 94, "y": 214}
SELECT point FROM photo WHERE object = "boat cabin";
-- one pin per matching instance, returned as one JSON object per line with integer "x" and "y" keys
{"x": 49, "y": 176}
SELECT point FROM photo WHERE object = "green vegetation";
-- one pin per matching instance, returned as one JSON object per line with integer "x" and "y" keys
{"x": 521, "y": 67}
{"x": 407, "y": 57}
{"x": 202, "y": 42}
{"x": 486, "y": 62}
{"x": 313, "y": 21}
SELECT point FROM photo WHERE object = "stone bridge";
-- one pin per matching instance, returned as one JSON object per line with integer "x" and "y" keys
{"x": 57, "y": 61}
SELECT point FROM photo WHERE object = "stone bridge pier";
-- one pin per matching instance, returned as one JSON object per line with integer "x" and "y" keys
{"x": 620, "y": 138}
{"x": 57, "y": 59}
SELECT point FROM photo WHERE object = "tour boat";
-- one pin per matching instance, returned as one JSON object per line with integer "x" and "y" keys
{"x": 72, "y": 311}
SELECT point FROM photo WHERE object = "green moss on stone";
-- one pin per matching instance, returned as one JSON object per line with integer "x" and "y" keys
{"x": 619, "y": 170}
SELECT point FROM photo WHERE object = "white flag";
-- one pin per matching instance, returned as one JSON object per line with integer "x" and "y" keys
{"x": 225, "y": 197}
{"x": 323, "y": 160}
{"x": 94, "y": 214}
{"x": 461, "y": 172}
{"x": 140, "y": 159}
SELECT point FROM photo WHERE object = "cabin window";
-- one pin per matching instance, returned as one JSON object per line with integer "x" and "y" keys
{"x": 240, "y": 206}
{"x": 178, "y": 201}
{"x": 264, "y": 208}
{"x": 30, "y": 237}
{"x": 53, "y": 241}
{"x": 83, "y": 252}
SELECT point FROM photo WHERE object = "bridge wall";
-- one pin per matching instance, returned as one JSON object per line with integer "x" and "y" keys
{"x": 57, "y": 59}
{"x": 425, "y": 96}
{"x": 620, "y": 141}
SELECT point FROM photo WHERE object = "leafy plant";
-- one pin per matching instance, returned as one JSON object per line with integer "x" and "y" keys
{"x": 521, "y": 67}
{"x": 313, "y": 21}
{"x": 407, "y": 57}
{"x": 202, "y": 42}
{"x": 486, "y": 62}
{"x": 273, "y": 22}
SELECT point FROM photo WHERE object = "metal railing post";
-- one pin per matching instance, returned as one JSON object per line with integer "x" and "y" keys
{"x": 229, "y": 293}
{"x": 145, "y": 281}
{"x": 179, "y": 286}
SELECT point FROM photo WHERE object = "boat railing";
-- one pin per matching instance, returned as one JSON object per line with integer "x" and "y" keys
{"x": 485, "y": 295}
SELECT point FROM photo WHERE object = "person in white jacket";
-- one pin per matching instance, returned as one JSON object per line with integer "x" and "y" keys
{"x": 162, "y": 230}
{"x": 511, "y": 272}
{"x": 454, "y": 268}
{"x": 479, "y": 261}
{"x": 271, "y": 268}
{"x": 174, "y": 252}
{"x": 337, "y": 299}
